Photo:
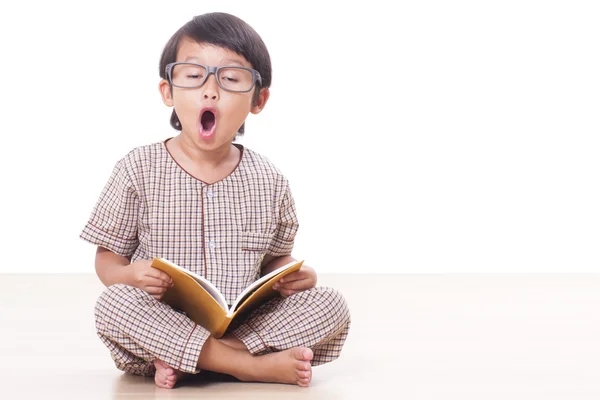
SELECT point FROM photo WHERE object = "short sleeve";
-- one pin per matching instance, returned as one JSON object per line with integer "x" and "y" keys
{"x": 113, "y": 222}
{"x": 283, "y": 239}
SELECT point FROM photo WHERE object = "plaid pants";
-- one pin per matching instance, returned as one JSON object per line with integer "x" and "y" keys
{"x": 137, "y": 329}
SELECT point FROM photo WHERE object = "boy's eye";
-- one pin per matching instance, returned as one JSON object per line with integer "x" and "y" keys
{"x": 230, "y": 79}
{"x": 195, "y": 76}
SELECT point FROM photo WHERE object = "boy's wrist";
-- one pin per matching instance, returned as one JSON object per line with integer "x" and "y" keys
{"x": 125, "y": 274}
{"x": 115, "y": 274}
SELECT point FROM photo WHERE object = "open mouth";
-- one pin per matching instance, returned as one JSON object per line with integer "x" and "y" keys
{"x": 207, "y": 121}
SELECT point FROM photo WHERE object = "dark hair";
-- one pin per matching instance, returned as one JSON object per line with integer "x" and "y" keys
{"x": 223, "y": 30}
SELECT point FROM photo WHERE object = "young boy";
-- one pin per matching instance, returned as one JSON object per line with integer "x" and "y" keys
{"x": 217, "y": 208}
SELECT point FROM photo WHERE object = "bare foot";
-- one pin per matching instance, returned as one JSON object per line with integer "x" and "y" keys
{"x": 165, "y": 376}
{"x": 289, "y": 366}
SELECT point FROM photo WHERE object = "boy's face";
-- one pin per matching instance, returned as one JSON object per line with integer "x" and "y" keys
{"x": 230, "y": 109}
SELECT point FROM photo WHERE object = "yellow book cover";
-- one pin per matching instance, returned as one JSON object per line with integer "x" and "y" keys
{"x": 204, "y": 304}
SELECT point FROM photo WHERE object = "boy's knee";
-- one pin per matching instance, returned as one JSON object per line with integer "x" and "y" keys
{"x": 117, "y": 298}
{"x": 334, "y": 301}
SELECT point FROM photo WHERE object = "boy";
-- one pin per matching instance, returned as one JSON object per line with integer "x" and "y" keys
{"x": 217, "y": 208}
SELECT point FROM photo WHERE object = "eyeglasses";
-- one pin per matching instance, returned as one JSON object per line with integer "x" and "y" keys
{"x": 232, "y": 79}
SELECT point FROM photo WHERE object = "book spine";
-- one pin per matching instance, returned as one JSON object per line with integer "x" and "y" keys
{"x": 221, "y": 331}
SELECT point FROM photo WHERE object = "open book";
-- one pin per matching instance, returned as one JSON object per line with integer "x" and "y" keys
{"x": 205, "y": 304}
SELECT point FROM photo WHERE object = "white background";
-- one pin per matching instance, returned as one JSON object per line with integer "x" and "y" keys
{"x": 430, "y": 137}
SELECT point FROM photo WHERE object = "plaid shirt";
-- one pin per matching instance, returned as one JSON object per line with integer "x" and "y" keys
{"x": 151, "y": 207}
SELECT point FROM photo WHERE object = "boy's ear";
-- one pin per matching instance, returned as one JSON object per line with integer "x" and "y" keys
{"x": 263, "y": 97}
{"x": 165, "y": 92}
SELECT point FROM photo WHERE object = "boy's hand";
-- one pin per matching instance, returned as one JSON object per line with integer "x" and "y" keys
{"x": 303, "y": 279}
{"x": 149, "y": 279}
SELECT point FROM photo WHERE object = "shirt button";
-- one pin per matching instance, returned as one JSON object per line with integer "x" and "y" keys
{"x": 212, "y": 244}
{"x": 209, "y": 193}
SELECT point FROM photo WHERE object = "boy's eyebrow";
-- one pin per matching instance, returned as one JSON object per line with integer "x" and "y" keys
{"x": 224, "y": 60}
{"x": 232, "y": 61}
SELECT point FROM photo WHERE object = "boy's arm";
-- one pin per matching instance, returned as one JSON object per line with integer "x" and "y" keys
{"x": 113, "y": 268}
{"x": 110, "y": 267}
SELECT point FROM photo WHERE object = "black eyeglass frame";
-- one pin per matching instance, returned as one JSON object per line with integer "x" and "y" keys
{"x": 256, "y": 79}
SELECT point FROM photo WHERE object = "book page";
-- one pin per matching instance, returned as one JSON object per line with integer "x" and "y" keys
{"x": 206, "y": 284}
{"x": 258, "y": 283}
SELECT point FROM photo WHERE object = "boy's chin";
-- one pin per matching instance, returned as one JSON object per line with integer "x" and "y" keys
{"x": 207, "y": 136}
{"x": 215, "y": 142}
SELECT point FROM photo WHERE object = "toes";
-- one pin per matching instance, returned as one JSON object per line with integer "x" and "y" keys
{"x": 165, "y": 373}
{"x": 304, "y": 374}
{"x": 164, "y": 380}
{"x": 302, "y": 382}
{"x": 170, "y": 372}
{"x": 164, "y": 367}
{"x": 160, "y": 383}
{"x": 307, "y": 354}
{"x": 303, "y": 366}
{"x": 302, "y": 353}
{"x": 165, "y": 384}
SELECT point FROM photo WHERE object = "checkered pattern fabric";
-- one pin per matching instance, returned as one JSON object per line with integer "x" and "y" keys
{"x": 138, "y": 329}
{"x": 317, "y": 318}
{"x": 151, "y": 207}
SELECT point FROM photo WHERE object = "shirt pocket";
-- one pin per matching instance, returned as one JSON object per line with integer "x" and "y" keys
{"x": 257, "y": 242}
{"x": 254, "y": 246}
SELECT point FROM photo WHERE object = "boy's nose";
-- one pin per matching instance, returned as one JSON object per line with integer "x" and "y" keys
{"x": 211, "y": 88}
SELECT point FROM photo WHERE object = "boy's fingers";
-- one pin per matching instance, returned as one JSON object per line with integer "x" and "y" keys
{"x": 295, "y": 285}
{"x": 153, "y": 290}
{"x": 151, "y": 281}
{"x": 157, "y": 273}
{"x": 294, "y": 276}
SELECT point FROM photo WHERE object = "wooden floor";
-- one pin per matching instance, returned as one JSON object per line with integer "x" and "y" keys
{"x": 461, "y": 337}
